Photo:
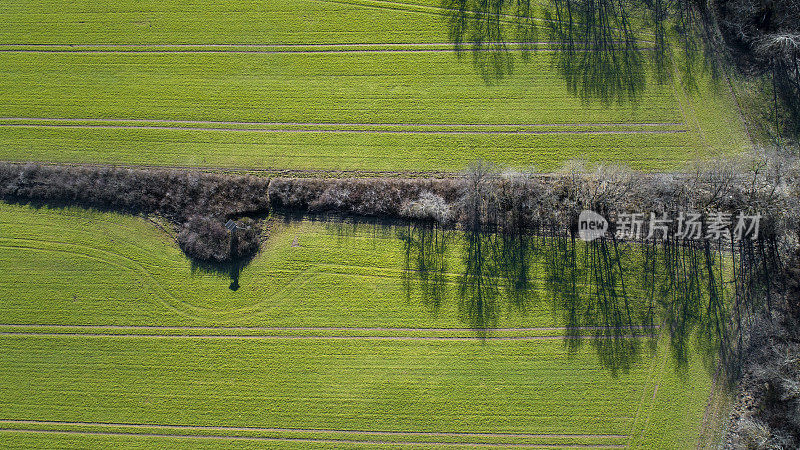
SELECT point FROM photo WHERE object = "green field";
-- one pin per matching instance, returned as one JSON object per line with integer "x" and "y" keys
{"x": 359, "y": 85}
{"x": 109, "y": 338}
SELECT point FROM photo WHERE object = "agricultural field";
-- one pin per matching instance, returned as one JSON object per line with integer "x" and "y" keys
{"x": 362, "y": 85}
{"x": 110, "y": 338}
{"x": 337, "y": 334}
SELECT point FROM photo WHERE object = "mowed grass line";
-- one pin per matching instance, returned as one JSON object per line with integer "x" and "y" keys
{"x": 305, "y": 441}
{"x": 332, "y": 127}
{"x": 490, "y": 337}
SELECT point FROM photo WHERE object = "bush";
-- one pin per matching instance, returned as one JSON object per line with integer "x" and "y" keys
{"x": 428, "y": 206}
{"x": 247, "y": 239}
{"x": 205, "y": 239}
{"x": 366, "y": 197}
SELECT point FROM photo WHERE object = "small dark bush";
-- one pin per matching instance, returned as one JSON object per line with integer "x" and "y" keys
{"x": 205, "y": 238}
{"x": 247, "y": 239}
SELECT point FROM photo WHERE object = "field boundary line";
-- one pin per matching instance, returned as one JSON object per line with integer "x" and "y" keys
{"x": 268, "y": 52}
{"x": 348, "y": 436}
{"x": 682, "y": 97}
{"x": 704, "y": 430}
{"x": 644, "y": 427}
{"x": 284, "y": 172}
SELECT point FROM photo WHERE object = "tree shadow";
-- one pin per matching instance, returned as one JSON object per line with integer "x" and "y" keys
{"x": 478, "y": 289}
{"x": 597, "y": 52}
{"x": 230, "y": 270}
{"x": 604, "y": 50}
{"x": 425, "y": 246}
{"x": 482, "y": 27}
{"x": 624, "y": 299}
{"x": 620, "y": 298}
{"x": 589, "y": 285}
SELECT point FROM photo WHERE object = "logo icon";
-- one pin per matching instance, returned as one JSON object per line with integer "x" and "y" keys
{"x": 591, "y": 225}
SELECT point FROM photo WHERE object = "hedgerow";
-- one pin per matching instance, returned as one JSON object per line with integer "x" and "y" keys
{"x": 198, "y": 204}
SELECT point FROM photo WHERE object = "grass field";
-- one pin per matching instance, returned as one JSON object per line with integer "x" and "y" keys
{"x": 362, "y": 85}
{"x": 110, "y": 339}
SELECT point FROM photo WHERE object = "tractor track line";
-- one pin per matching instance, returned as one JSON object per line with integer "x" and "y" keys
{"x": 276, "y": 52}
{"x": 341, "y": 124}
{"x": 313, "y": 337}
{"x": 316, "y": 430}
{"x": 324, "y": 131}
{"x": 387, "y": 329}
{"x": 254, "y": 52}
{"x": 295, "y": 45}
{"x": 306, "y": 440}
{"x": 332, "y": 46}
